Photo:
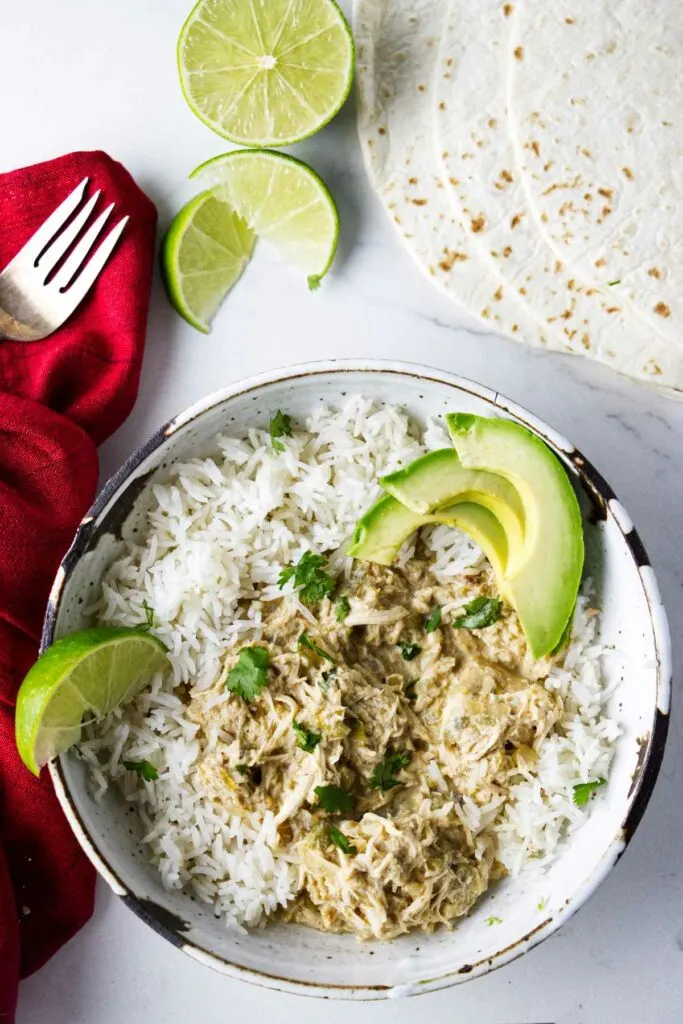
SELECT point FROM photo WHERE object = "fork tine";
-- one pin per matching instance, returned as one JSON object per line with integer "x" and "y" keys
{"x": 49, "y": 228}
{"x": 94, "y": 266}
{"x": 67, "y": 273}
{"x": 54, "y": 252}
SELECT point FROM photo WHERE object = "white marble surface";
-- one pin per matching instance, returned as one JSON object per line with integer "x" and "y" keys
{"x": 97, "y": 73}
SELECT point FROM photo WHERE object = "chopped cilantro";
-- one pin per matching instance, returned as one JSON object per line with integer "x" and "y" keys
{"x": 384, "y": 774}
{"x": 342, "y": 609}
{"x": 584, "y": 791}
{"x": 611, "y": 284}
{"x": 409, "y": 651}
{"x": 149, "y": 617}
{"x": 433, "y": 620}
{"x": 306, "y": 739}
{"x": 306, "y": 641}
{"x": 541, "y": 904}
{"x": 310, "y": 578}
{"x": 242, "y": 768}
{"x": 144, "y": 769}
{"x": 280, "y": 426}
{"x": 483, "y": 611}
{"x": 342, "y": 841}
{"x": 333, "y": 799}
{"x": 250, "y": 674}
{"x": 493, "y": 920}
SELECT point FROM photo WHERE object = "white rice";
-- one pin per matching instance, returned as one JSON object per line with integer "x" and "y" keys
{"x": 226, "y": 522}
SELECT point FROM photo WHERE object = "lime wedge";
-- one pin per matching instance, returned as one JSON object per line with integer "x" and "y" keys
{"x": 203, "y": 254}
{"x": 283, "y": 200}
{"x": 91, "y": 671}
{"x": 266, "y": 72}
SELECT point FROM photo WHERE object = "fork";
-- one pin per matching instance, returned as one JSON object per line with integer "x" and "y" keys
{"x": 33, "y": 305}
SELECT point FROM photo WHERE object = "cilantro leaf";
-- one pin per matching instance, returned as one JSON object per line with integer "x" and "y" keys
{"x": 342, "y": 841}
{"x": 242, "y": 768}
{"x": 280, "y": 426}
{"x": 333, "y": 799}
{"x": 541, "y": 903}
{"x": 306, "y": 641}
{"x": 149, "y": 617}
{"x": 610, "y": 284}
{"x": 493, "y": 920}
{"x": 144, "y": 769}
{"x": 433, "y": 620}
{"x": 383, "y": 775}
{"x": 584, "y": 791}
{"x": 305, "y": 738}
{"x": 310, "y": 578}
{"x": 342, "y": 609}
{"x": 250, "y": 674}
{"x": 409, "y": 651}
{"x": 483, "y": 611}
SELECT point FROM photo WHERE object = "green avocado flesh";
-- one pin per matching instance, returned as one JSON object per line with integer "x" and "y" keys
{"x": 440, "y": 478}
{"x": 382, "y": 531}
{"x": 544, "y": 574}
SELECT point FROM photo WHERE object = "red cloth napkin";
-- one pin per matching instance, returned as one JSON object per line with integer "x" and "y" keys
{"x": 59, "y": 398}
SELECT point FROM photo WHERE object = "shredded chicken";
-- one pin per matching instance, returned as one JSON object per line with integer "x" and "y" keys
{"x": 468, "y": 712}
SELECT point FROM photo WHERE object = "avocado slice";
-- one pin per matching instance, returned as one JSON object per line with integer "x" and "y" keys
{"x": 543, "y": 576}
{"x": 440, "y": 478}
{"x": 384, "y": 528}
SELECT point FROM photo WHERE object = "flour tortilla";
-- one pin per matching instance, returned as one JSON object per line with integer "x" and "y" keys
{"x": 396, "y": 45}
{"x": 475, "y": 148}
{"x": 596, "y": 108}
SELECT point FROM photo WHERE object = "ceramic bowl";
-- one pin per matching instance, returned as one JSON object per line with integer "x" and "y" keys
{"x": 296, "y": 959}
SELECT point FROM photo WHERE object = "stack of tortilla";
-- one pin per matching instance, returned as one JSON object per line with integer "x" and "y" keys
{"x": 531, "y": 157}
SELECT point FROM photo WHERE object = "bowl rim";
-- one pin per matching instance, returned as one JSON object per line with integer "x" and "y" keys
{"x": 171, "y": 927}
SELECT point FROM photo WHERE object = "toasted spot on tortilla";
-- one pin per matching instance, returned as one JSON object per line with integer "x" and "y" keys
{"x": 478, "y": 224}
{"x": 422, "y": 88}
{"x": 655, "y": 272}
{"x": 516, "y": 220}
{"x": 536, "y": 148}
{"x": 612, "y": 309}
{"x": 454, "y": 182}
{"x": 381, "y": 131}
{"x": 628, "y": 173}
{"x": 519, "y": 53}
{"x": 601, "y": 262}
{"x": 522, "y": 290}
{"x": 507, "y": 251}
{"x": 653, "y": 368}
{"x": 506, "y": 176}
{"x": 569, "y": 21}
{"x": 546, "y": 167}
{"x": 558, "y": 267}
{"x": 419, "y": 202}
{"x": 492, "y": 122}
{"x": 486, "y": 313}
{"x": 412, "y": 181}
{"x": 451, "y": 257}
{"x": 606, "y": 192}
{"x": 585, "y": 341}
{"x": 661, "y": 309}
{"x": 571, "y": 284}
{"x": 442, "y": 105}
{"x": 515, "y": 328}
{"x": 498, "y": 294}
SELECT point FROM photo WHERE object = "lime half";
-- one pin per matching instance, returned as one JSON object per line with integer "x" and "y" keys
{"x": 282, "y": 200}
{"x": 91, "y": 671}
{"x": 203, "y": 254}
{"x": 266, "y": 72}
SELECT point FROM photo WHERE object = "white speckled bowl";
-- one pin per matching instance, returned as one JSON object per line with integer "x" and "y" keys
{"x": 293, "y": 958}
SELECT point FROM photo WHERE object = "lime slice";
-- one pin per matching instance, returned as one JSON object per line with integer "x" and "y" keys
{"x": 283, "y": 200}
{"x": 91, "y": 671}
{"x": 266, "y": 72}
{"x": 203, "y": 254}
